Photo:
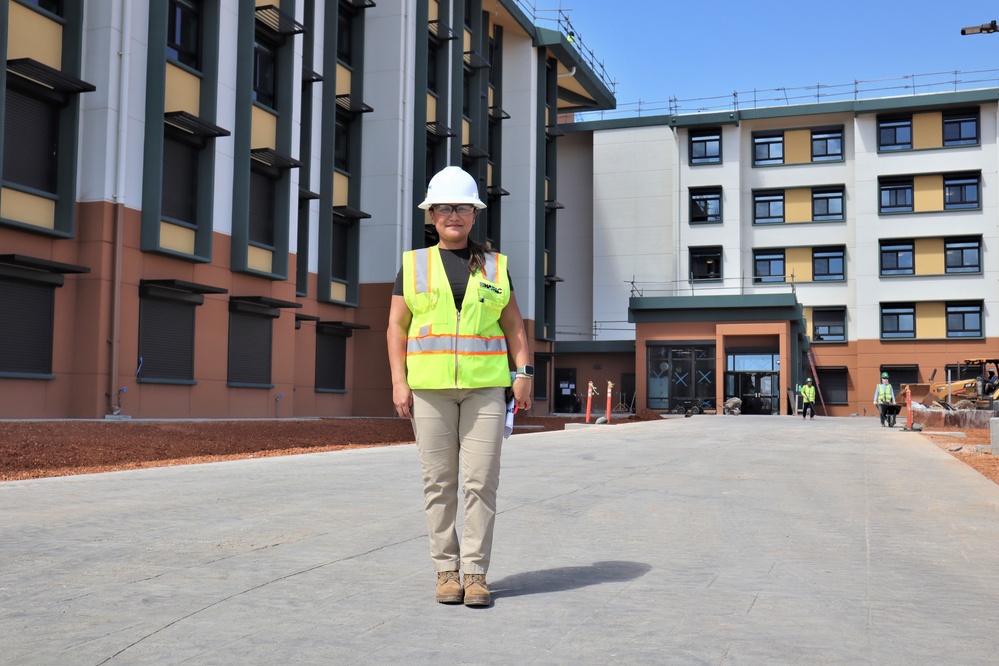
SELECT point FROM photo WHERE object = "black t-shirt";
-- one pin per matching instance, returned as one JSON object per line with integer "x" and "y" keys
{"x": 456, "y": 268}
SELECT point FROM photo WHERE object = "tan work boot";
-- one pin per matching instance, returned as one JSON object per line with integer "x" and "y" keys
{"x": 476, "y": 591}
{"x": 449, "y": 590}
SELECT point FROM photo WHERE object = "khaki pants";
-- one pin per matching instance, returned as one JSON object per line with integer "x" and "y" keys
{"x": 459, "y": 433}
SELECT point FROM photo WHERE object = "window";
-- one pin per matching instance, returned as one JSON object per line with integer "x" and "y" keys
{"x": 834, "y": 384}
{"x": 964, "y": 320}
{"x": 897, "y": 257}
{"x": 705, "y": 147}
{"x": 262, "y": 208}
{"x": 249, "y": 347}
{"x": 827, "y": 145}
{"x": 26, "y": 329}
{"x": 898, "y": 320}
{"x": 340, "y": 252}
{"x": 768, "y": 149}
{"x": 896, "y": 195}
{"x": 900, "y": 375}
{"x": 344, "y": 42}
{"x": 705, "y": 263}
{"x": 180, "y": 179}
{"x": 963, "y": 255}
{"x": 264, "y": 73}
{"x": 184, "y": 32}
{"x": 433, "y": 65}
{"x": 895, "y": 133}
{"x": 541, "y": 365}
{"x": 52, "y": 6}
{"x": 829, "y": 325}
{"x": 341, "y": 143}
{"x": 166, "y": 338}
{"x": 331, "y": 359}
{"x": 827, "y": 204}
{"x": 961, "y": 192}
{"x": 960, "y": 128}
{"x": 828, "y": 264}
{"x": 705, "y": 205}
{"x": 768, "y": 207}
{"x": 768, "y": 266}
{"x": 30, "y": 141}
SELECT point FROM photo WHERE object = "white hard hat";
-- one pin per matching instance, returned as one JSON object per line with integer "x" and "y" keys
{"x": 452, "y": 185}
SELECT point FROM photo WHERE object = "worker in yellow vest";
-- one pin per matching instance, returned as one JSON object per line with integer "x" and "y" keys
{"x": 807, "y": 399}
{"x": 884, "y": 398}
{"x": 454, "y": 327}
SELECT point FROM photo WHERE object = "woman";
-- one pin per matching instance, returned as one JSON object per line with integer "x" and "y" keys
{"x": 453, "y": 325}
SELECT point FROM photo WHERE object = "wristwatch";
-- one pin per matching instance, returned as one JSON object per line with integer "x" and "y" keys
{"x": 526, "y": 371}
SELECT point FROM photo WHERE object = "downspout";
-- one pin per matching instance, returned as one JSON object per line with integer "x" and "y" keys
{"x": 114, "y": 396}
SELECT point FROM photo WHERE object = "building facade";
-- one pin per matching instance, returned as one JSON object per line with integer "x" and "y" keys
{"x": 204, "y": 202}
{"x": 744, "y": 251}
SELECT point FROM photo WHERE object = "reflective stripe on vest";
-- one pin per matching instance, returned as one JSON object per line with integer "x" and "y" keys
{"x": 445, "y": 348}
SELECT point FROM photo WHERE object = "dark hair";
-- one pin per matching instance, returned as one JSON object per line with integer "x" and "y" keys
{"x": 477, "y": 260}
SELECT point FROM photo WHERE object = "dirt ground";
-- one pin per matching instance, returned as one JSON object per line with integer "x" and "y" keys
{"x": 35, "y": 449}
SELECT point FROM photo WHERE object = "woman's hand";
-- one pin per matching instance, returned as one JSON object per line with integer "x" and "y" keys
{"x": 522, "y": 392}
{"x": 402, "y": 398}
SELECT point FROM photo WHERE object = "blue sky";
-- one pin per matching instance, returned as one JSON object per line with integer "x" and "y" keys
{"x": 657, "y": 49}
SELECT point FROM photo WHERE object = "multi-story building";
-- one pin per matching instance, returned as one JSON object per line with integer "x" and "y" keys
{"x": 736, "y": 253}
{"x": 204, "y": 202}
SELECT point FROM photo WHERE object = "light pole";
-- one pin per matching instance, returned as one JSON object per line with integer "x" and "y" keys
{"x": 979, "y": 29}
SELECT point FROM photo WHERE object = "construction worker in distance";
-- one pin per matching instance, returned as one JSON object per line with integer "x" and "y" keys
{"x": 807, "y": 399}
{"x": 884, "y": 397}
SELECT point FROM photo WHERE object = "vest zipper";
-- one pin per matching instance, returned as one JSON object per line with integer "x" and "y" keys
{"x": 457, "y": 327}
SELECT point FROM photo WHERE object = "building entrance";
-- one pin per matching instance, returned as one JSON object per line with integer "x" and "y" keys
{"x": 754, "y": 378}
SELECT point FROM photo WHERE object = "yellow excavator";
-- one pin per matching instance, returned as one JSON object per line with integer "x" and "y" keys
{"x": 979, "y": 393}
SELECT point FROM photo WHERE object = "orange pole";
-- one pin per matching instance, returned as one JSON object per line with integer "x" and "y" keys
{"x": 589, "y": 400}
{"x": 610, "y": 385}
{"x": 908, "y": 407}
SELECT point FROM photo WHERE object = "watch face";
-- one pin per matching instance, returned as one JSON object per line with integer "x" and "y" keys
{"x": 527, "y": 370}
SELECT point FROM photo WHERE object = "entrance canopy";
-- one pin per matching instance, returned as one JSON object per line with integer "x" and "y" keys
{"x": 717, "y": 334}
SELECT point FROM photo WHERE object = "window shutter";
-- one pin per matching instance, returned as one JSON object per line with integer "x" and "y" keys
{"x": 26, "y": 327}
{"x": 166, "y": 339}
{"x": 261, "y": 224}
{"x": 331, "y": 361}
{"x": 30, "y": 141}
{"x": 249, "y": 348}
{"x": 180, "y": 181}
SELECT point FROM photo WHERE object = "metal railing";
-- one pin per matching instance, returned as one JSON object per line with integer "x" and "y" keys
{"x": 564, "y": 25}
{"x": 909, "y": 84}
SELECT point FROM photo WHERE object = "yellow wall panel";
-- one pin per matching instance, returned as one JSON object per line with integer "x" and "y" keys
{"x": 338, "y": 291}
{"x": 489, "y": 174}
{"x": 260, "y": 259}
{"x": 798, "y": 262}
{"x": 342, "y": 80}
{"x": 31, "y": 35}
{"x": 931, "y": 320}
{"x": 341, "y": 188}
{"x": 264, "y": 132}
{"x": 798, "y": 147}
{"x": 929, "y": 256}
{"x": 927, "y": 193}
{"x": 431, "y": 107}
{"x": 27, "y": 208}
{"x": 176, "y": 238}
{"x": 927, "y": 130}
{"x": 264, "y": 3}
{"x": 467, "y": 41}
{"x": 183, "y": 91}
{"x": 798, "y": 205}
{"x": 466, "y": 132}
{"x": 433, "y": 13}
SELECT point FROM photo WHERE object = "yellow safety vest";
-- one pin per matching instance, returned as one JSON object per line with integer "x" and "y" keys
{"x": 808, "y": 393}
{"x": 446, "y": 348}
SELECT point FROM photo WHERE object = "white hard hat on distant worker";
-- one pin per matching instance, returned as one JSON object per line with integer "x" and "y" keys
{"x": 452, "y": 185}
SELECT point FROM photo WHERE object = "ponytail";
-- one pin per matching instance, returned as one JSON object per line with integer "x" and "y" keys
{"x": 477, "y": 260}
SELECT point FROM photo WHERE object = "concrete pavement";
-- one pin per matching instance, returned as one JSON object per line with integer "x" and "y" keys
{"x": 708, "y": 540}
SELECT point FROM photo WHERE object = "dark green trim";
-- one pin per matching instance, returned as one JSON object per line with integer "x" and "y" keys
{"x": 152, "y": 158}
{"x": 520, "y": 17}
{"x": 243, "y": 119}
{"x": 540, "y": 148}
{"x": 422, "y": 46}
{"x": 566, "y": 53}
{"x": 457, "y": 80}
{"x": 303, "y": 210}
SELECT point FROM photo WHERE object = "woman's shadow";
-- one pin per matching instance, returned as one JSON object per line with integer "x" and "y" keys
{"x": 567, "y": 578}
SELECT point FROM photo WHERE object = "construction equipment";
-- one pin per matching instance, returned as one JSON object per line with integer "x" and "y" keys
{"x": 978, "y": 393}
